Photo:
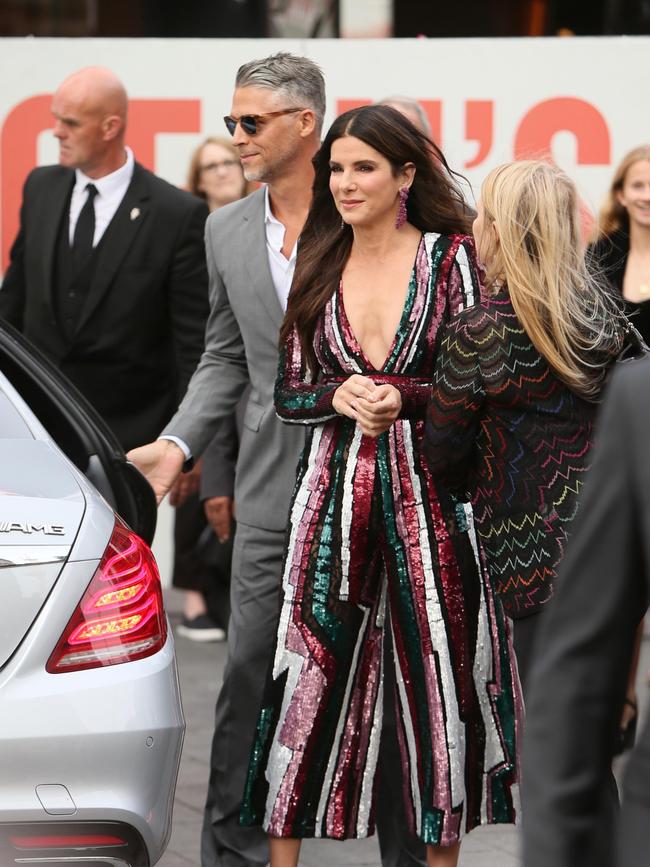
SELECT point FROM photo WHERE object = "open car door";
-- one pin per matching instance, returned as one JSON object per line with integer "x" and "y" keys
{"x": 78, "y": 430}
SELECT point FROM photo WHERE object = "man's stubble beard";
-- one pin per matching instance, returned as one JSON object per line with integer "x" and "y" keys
{"x": 270, "y": 172}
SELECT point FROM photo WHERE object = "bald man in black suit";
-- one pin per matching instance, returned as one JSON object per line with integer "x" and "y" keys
{"x": 108, "y": 273}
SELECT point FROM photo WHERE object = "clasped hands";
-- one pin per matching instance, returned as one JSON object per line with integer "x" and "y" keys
{"x": 373, "y": 407}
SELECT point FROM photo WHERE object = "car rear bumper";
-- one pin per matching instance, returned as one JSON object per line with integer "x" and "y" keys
{"x": 100, "y": 844}
{"x": 92, "y": 746}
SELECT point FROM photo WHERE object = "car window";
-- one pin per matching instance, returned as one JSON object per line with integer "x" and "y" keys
{"x": 12, "y": 424}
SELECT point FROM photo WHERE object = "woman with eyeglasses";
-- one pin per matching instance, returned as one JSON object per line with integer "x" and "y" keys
{"x": 215, "y": 173}
{"x": 375, "y": 552}
{"x": 202, "y": 563}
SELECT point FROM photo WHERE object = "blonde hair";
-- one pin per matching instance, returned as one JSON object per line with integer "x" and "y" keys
{"x": 194, "y": 170}
{"x": 613, "y": 215}
{"x": 573, "y": 322}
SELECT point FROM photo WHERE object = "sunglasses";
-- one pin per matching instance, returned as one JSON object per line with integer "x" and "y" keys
{"x": 249, "y": 122}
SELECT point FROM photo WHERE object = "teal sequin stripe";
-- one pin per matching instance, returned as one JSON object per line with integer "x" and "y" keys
{"x": 248, "y": 814}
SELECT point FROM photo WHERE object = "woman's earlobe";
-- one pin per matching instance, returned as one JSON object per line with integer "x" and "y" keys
{"x": 408, "y": 170}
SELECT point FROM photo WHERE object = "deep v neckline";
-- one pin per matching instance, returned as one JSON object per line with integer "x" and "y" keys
{"x": 406, "y": 312}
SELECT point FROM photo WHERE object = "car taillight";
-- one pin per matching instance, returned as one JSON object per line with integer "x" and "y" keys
{"x": 59, "y": 841}
{"x": 121, "y": 616}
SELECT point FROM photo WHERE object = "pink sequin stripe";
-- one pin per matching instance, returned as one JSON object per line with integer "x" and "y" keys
{"x": 496, "y": 687}
{"x": 307, "y": 521}
{"x": 420, "y": 303}
{"x": 300, "y": 649}
{"x": 439, "y": 298}
{"x": 410, "y": 527}
{"x": 336, "y": 335}
{"x": 449, "y": 275}
{"x": 364, "y": 483}
{"x": 452, "y": 597}
{"x": 362, "y": 714}
{"x": 437, "y": 708}
{"x": 294, "y": 735}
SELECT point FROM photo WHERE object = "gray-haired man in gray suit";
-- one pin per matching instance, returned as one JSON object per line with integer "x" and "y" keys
{"x": 276, "y": 118}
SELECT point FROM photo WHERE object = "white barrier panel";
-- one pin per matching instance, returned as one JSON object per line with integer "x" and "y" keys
{"x": 489, "y": 100}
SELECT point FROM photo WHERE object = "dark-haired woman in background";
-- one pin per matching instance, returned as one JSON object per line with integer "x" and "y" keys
{"x": 384, "y": 261}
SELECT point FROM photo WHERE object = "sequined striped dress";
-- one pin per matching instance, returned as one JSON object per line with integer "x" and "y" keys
{"x": 372, "y": 547}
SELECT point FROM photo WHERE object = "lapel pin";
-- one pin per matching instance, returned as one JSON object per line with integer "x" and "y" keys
{"x": 135, "y": 213}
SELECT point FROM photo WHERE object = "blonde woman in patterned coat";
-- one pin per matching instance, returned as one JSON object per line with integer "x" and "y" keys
{"x": 517, "y": 383}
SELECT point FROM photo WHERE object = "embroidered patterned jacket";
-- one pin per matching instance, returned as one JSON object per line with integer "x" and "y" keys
{"x": 505, "y": 432}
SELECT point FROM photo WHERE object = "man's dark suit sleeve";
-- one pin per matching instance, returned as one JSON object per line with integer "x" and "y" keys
{"x": 585, "y": 647}
{"x": 188, "y": 294}
{"x": 12, "y": 292}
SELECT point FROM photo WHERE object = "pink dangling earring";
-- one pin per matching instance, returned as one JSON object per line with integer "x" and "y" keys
{"x": 401, "y": 213}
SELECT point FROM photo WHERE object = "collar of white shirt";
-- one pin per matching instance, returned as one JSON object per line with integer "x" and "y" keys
{"x": 109, "y": 184}
{"x": 275, "y": 230}
{"x": 111, "y": 189}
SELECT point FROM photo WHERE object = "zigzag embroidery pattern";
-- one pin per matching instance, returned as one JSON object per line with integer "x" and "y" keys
{"x": 503, "y": 430}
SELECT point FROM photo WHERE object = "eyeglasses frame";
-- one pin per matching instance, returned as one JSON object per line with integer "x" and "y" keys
{"x": 221, "y": 164}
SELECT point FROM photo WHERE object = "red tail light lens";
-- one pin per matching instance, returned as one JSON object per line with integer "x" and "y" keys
{"x": 62, "y": 842}
{"x": 121, "y": 616}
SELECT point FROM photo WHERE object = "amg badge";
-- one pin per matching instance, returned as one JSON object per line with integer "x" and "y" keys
{"x": 26, "y": 527}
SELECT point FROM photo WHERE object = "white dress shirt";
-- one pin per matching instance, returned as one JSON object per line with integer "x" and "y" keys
{"x": 110, "y": 192}
{"x": 281, "y": 268}
{"x": 281, "y": 273}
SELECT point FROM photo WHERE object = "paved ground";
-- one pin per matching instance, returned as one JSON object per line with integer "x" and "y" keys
{"x": 201, "y": 668}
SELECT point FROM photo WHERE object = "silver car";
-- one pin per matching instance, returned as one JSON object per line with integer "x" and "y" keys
{"x": 91, "y": 724}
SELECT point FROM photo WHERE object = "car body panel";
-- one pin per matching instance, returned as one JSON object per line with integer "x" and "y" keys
{"x": 118, "y": 730}
{"x": 100, "y": 745}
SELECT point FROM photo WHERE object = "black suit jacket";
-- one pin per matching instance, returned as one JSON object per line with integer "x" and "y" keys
{"x": 141, "y": 330}
{"x": 584, "y": 651}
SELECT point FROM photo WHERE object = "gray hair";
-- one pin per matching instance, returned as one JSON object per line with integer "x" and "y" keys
{"x": 409, "y": 106}
{"x": 298, "y": 77}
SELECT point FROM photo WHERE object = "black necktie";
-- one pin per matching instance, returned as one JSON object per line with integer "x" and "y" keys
{"x": 84, "y": 231}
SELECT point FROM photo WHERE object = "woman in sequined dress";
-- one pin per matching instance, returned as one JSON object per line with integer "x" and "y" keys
{"x": 518, "y": 377}
{"x": 373, "y": 547}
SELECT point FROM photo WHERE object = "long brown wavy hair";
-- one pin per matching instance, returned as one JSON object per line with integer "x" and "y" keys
{"x": 435, "y": 204}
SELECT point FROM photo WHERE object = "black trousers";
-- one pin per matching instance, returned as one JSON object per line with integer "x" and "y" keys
{"x": 201, "y": 561}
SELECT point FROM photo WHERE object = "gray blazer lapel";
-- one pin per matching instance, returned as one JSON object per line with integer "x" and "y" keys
{"x": 257, "y": 259}
{"x": 120, "y": 234}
